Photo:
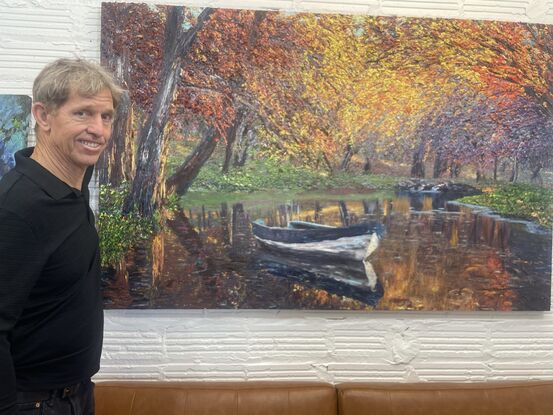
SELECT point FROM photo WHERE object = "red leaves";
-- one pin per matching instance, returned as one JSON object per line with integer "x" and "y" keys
{"x": 315, "y": 81}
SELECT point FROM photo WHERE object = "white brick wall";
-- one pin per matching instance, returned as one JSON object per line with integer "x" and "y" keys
{"x": 328, "y": 346}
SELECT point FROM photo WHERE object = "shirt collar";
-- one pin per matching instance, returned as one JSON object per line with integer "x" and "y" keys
{"x": 53, "y": 186}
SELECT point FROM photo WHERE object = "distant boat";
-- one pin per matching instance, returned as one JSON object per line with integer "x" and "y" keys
{"x": 342, "y": 253}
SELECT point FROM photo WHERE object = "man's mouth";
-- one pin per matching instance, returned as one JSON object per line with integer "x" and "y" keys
{"x": 90, "y": 144}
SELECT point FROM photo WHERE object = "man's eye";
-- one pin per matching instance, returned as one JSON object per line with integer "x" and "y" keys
{"x": 107, "y": 117}
{"x": 80, "y": 114}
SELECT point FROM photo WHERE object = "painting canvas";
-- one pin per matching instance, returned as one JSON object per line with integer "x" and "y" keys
{"x": 15, "y": 116}
{"x": 273, "y": 160}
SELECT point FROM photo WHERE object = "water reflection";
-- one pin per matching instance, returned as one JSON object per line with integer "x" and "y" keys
{"x": 432, "y": 256}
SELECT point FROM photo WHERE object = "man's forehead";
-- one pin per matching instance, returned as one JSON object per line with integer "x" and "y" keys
{"x": 103, "y": 96}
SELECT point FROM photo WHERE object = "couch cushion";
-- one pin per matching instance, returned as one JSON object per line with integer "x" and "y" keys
{"x": 506, "y": 398}
{"x": 225, "y": 398}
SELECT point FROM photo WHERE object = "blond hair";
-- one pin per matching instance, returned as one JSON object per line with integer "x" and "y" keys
{"x": 58, "y": 79}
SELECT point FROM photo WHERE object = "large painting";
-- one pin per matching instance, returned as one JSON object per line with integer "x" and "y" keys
{"x": 15, "y": 116}
{"x": 274, "y": 160}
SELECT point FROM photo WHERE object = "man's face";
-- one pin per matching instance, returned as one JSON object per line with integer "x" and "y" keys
{"x": 80, "y": 129}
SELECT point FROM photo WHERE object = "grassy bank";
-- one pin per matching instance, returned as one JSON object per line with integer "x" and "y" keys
{"x": 282, "y": 176}
{"x": 522, "y": 201}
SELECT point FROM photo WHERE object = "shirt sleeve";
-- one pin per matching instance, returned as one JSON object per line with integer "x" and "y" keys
{"x": 21, "y": 262}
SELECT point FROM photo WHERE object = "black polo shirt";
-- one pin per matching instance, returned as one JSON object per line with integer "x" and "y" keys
{"x": 51, "y": 317}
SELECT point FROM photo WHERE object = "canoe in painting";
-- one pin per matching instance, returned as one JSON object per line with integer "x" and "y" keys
{"x": 301, "y": 232}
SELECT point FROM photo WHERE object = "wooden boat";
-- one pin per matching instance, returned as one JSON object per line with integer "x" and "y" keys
{"x": 301, "y": 232}
{"x": 346, "y": 249}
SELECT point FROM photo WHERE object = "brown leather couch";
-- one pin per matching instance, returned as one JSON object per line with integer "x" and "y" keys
{"x": 301, "y": 398}
{"x": 210, "y": 398}
{"x": 506, "y": 398}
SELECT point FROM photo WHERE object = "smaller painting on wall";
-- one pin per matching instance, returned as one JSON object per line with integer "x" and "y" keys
{"x": 15, "y": 118}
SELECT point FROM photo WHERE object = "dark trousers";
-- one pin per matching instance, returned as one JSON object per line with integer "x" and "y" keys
{"x": 74, "y": 400}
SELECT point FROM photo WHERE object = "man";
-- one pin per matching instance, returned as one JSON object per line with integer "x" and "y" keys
{"x": 51, "y": 318}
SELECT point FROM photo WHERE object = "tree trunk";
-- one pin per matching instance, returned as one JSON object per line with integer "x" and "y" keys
{"x": 454, "y": 170}
{"x": 350, "y": 151}
{"x": 254, "y": 32}
{"x": 479, "y": 175}
{"x": 367, "y": 167}
{"x": 244, "y": 140}
{"x": 439, "y": 166}
{"x": 239, "y": 123}
{"x": 536, "y": 175}
{"x": 481, "y": 170}
{"x": 161, "y": 191}
{"x": 328, "y": 164}
{"x": 116, "y": 164}
{"x": 232, "y": 133}
{"x": 228, "y": 153}
{"x": 150, "y": 142}
{"x": 514, "y": 173}
{"x": 417, "y": 168}
{"x": 495, "y": 167}
{"x": 181, "y": 181}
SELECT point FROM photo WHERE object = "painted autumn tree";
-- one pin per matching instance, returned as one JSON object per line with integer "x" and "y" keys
{"x": 509, "y": 64}
{"x": 325, "y": 90}
{"x": 132, "y": 36}
{"x": 179, "y": 38}
{"x": 238, "y": 44}
{"x": 180, "y": 31}
{"x": 212, "y": 86}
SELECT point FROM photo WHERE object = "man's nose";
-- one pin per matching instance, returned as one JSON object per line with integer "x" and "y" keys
{"x": 96, "y": 125}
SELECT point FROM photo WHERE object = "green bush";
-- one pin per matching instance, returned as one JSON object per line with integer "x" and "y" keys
{"x": 118, "y": 232}
{"x": 518, "y": 200}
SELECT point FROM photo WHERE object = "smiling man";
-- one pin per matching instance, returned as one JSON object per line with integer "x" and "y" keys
{"x": 51, "y": 318}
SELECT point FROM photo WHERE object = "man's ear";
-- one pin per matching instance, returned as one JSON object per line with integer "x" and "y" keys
{"x": 40, "y": 113}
